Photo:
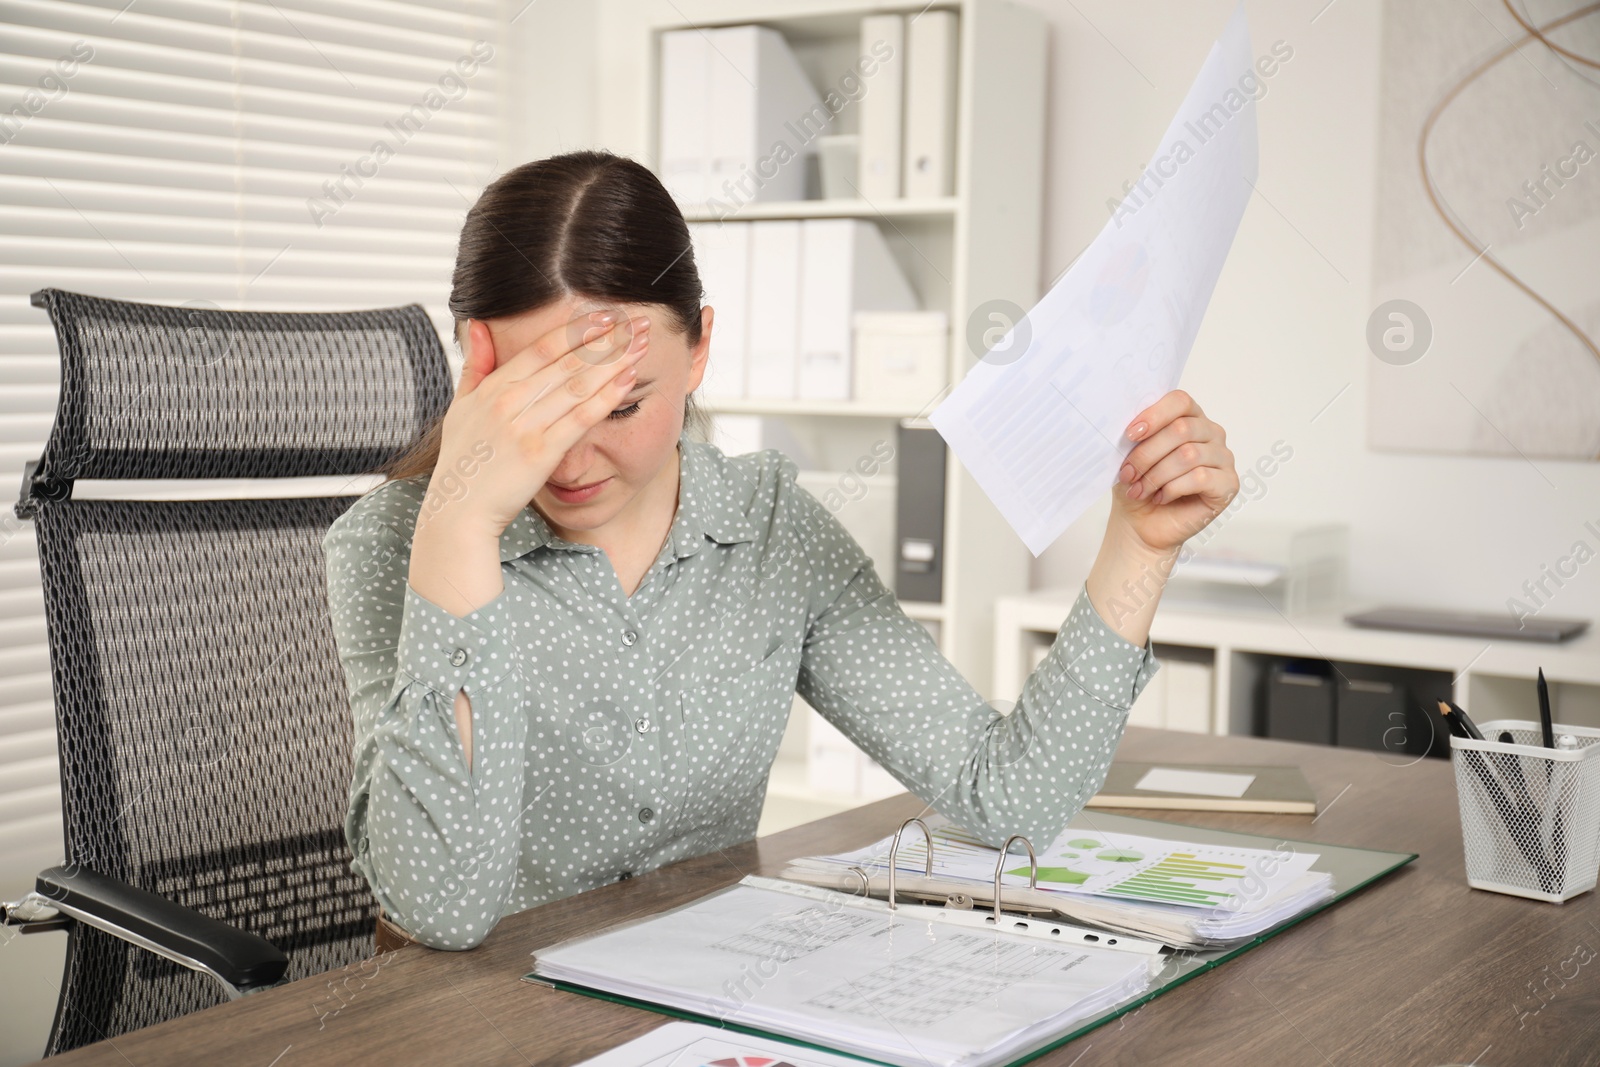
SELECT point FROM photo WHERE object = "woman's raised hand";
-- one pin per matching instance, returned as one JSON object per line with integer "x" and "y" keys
{"x": 510, "y": 424}
{"x": 1178, "y": 477}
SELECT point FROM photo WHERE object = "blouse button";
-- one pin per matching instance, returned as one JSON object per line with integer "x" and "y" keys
{"x": 641, "y": 724}
{"x": 458, "y": 657}
{"x": 629, "y": 637}
{"x": 646, "y": 814}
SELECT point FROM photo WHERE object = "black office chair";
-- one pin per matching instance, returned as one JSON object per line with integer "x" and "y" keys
{"x": 202, "y": 713}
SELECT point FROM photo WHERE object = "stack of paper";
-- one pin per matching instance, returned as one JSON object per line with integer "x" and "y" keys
{"x": 1186, "y": 895}
{"x": 848, "y": 974}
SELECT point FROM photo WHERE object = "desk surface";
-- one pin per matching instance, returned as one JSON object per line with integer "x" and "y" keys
{"x": 1416, "y": 969}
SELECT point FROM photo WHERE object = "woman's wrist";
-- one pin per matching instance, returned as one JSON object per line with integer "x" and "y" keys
{"x": 1126, "y": 581}
{"x": 456, "y": 566}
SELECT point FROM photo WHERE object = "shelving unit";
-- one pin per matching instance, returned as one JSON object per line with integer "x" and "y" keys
{"x": 1491, "y": 678}
{"x": 958, "y": 252}
{"x": 904, "y": 208}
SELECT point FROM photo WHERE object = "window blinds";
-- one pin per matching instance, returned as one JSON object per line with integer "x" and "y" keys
{"x": 286, "y": 155}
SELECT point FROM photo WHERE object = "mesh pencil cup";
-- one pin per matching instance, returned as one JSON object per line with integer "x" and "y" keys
{"x": 1530, "y": 815}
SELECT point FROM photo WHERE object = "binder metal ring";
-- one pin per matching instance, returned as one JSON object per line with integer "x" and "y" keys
{"x": 999, "y": 868}
{"x": 895, "y": 848}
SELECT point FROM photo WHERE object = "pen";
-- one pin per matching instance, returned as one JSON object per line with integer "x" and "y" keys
{"x": 1544, "y": 712}
{"x": 1515, "y": 773}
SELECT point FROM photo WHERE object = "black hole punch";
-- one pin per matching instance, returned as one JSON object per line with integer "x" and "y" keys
{"x": 1091, "y": 937}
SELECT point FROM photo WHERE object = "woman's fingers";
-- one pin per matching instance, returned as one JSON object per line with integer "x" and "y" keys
{"x": 1214, "y": 485}
{"x": 478, "y": 360}
{"x": 1163, "y": 411}
{"x": 1162, "y": 481}
{"x": 554, "y": 391}
{"x": 575, "y": 422}
{"x": 1181, "y": 431}
{"x": 1162, "y": 427}
{"x": 589, "y": 338}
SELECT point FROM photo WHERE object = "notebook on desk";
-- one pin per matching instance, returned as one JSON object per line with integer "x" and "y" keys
{"x": 917, "y": 984}
{"x": 1208, "y": 787}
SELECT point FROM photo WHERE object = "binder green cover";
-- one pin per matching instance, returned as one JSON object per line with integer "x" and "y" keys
{"x": 1352, "y": 869}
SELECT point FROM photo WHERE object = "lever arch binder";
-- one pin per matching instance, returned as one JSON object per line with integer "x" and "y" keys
{"x": 833, "y": 969}
{"x": 860, "y": 975}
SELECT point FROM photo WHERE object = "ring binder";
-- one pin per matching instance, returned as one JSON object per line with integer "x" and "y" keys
{"x": 928, "y": 869}
{"x": 1000, "y": 865}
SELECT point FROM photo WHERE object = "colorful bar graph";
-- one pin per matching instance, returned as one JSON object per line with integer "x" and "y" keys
{"x": 1181, "y": 878}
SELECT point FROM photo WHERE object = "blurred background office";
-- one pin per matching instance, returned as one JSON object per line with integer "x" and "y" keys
{"x": 1404, "y": 355}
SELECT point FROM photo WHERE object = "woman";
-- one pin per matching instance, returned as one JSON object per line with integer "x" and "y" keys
{"x": 572, "y": 633}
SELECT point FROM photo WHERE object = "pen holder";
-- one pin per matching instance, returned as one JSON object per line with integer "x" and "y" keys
{"x": 1530, "y": 815}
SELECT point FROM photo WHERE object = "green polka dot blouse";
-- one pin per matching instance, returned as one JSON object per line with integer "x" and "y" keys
{"x": 613, "y": 734}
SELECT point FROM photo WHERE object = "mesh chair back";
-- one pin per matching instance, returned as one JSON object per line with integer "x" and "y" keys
{"x": 202, "y": 714}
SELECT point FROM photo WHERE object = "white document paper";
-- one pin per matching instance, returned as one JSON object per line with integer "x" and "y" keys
{"x": 1040, "y": 421}
{"x": 1195, "y": 783}
{"x": 681, "y": 1044}
{"x": 829, "y": 969}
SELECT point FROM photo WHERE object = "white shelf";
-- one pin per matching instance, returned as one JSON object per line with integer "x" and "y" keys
{"x": 1497, "y": 673}
{"x": 906, "y": 207}
{"x": 924, "y": 611}
{"x": 847, "y": 408}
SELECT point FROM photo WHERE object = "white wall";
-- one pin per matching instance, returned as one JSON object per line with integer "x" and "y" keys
{"x": 1286, "y": 328}
{"x": 1285, "y": 333}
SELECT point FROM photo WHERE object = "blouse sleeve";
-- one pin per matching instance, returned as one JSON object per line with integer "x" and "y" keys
{"x": 438, "y": 844}
{"x": 879, "y": 677}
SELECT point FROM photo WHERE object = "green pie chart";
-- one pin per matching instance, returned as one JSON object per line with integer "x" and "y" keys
{"x": 1084, "y": 842}
{"x": 1120, "y": 855}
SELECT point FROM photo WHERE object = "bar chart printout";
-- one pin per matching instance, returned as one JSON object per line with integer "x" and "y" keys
{"x": 1183, "y": 878}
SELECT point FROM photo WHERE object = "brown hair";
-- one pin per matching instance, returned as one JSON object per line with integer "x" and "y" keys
{"x": 590, "y": 224}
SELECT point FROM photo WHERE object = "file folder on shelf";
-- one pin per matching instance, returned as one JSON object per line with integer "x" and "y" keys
{"x": 722, "y": 255}
{"x": 883, "y": 108}
{"x": 685, "y": 116}
{"x": 774, "y": 309}
{"x": 845, "y": 266}
{"x": 932, "y": 60}
{"x": 919, "y": 514}
{"x": 727, "y": 96}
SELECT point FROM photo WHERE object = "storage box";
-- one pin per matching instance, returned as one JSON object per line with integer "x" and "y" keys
{"x": 900, "y": 357}
{"x": 1262, "y": 566}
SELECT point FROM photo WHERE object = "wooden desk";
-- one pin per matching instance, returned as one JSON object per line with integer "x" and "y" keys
{"x": 1416, "y": 969}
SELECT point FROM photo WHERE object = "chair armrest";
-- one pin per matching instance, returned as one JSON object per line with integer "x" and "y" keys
{"x": 242, "y": 961}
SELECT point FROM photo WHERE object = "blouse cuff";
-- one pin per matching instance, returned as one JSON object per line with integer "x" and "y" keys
{"x": 447, "y": 652}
